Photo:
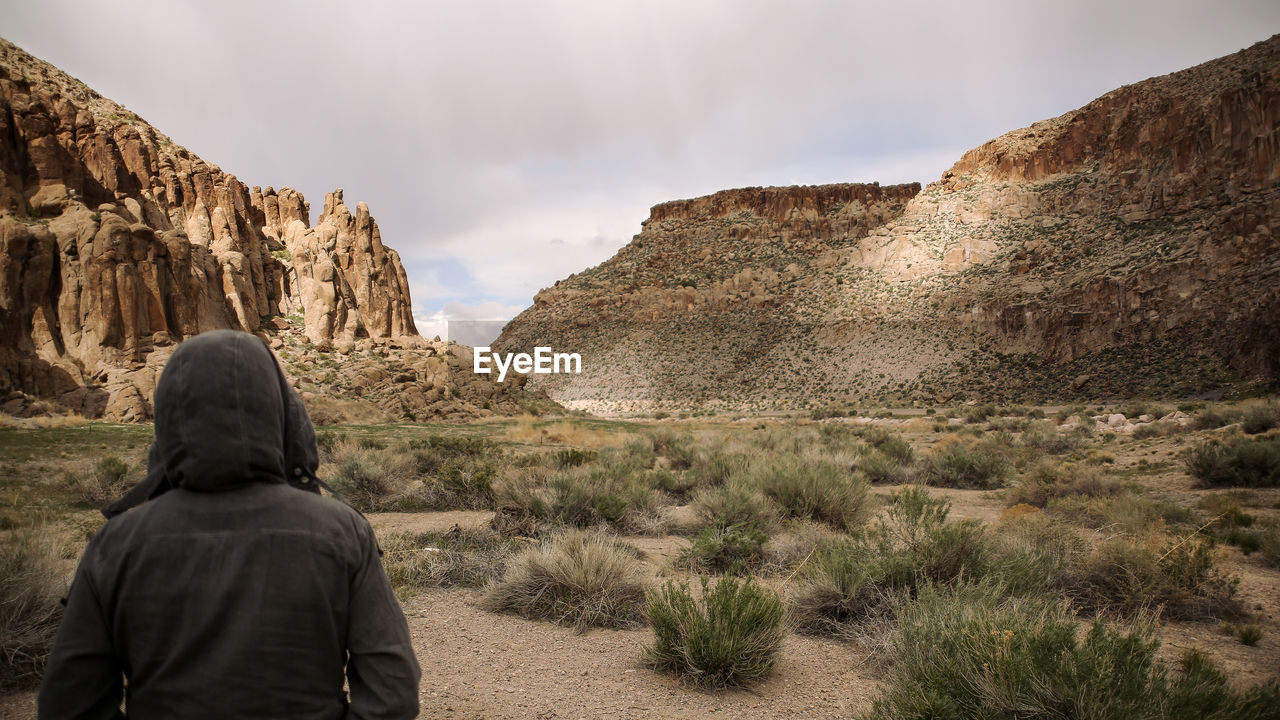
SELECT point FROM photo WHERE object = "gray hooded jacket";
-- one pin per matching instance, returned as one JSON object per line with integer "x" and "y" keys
{"x": 233, "y": 594}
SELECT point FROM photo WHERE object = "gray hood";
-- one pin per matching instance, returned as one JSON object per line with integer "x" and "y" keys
{"x": 220, "y": 415}
{"x": 225, "y": 417}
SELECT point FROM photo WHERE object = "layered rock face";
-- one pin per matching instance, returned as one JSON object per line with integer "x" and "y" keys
{"x": 116, "y": 243}
{"x": 1125, "y": 247}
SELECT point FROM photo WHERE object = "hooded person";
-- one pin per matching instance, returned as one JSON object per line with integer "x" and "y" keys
{"x": 301, "y": 456}
{"x": 222, "y": 589}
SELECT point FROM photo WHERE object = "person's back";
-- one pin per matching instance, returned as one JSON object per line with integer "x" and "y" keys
{"x": 235, "y": 594}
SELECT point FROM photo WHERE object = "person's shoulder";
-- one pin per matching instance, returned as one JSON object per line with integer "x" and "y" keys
{"x": 328, "y": 508}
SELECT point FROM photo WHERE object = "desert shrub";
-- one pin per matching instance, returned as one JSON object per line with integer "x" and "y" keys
{"x": 679, "y": 449}
{"x": 729, "y": 636}
{"x": 1137, "y": 408}
{"x": 1214, "y": 417}
{"x": 636, "y": 455}
{"x": 1202, "y": 691}
{"x": 880, "y": 468}
{"x": 578, "y": 497}
{"x": 1063, "y": 414}
{"x": 788, "y": 552}
{"x": 1148, "y": 431}
{"x": 1260, "y": 418}
{"x": 873, "y": 435}
{"x": 1249, "y": 540}
{"x": 1129, "y": 574}
{"x": 33, "y": 581}
{"x": 103, "y": 483}
{"x": 457, "y": 558}
{"x": 1175, "y": 514}
{"x": 731, "y": 549}
{"x": 1225, "y": 512}
{"x": 974, "y": 466}
{"x": 676, "y": 484}
{"x": 460, "y": 483}
{"x": 817, "y": 490}
{"x": 370, "y": 478}
{"x": 1159, "y": 428}
{"x": 976, "y": 653}
{"x": 912, "y": 513}
{"x": 520, "y": 507}
{"x": 951, "y": 551}
{"x": 326, "y": 439}
{"x": 1123, "y": 513}
{"x": 734, "y": 504}
{"x": 581, "y": 578}
{"x": 842, "y": 586}
{"x": 583, "y": 498}
{"x": 822, "y": 413}
{"x": 851, "y": 583}
{"x": 918, "y": 544}
{"x": 887, "y": 442}
{"x": 717, "y": 468}
{"x": 1032, "y": 553}
{"x": 573, "y": 457}
{"x": 898, "y": 449}
{"x": 450, "y": 446}
{"x": 1249, "y": 634}
{"x": 1046, "y": 482}
{"x": 837, "y": 436}
{"x": 1238, "y": 461}
{"x": 1269, "y": 547}
{"x": 977, "y": 413}
{"x": 362, "y": 482}
{"x": 1011, "y": 425}
{"x": 1045, "y": 437}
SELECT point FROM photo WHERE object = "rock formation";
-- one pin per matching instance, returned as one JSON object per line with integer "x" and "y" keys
{"x": 1126, "y": 247}
{"x": 116, "y": 243}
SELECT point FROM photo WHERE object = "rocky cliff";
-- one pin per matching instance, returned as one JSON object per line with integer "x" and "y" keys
{"x": 1126, "y": 247}
{"x": 116, "y": 243}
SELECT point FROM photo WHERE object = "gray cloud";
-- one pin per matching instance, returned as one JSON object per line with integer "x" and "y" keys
{"x": 479, "y": 133}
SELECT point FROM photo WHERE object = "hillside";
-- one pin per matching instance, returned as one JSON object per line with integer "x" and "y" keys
{"x": 1127, "y": 247}
{"x": 116, "y": 243}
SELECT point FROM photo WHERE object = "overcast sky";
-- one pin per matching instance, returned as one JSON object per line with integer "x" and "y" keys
{"x": 504, "y": 145}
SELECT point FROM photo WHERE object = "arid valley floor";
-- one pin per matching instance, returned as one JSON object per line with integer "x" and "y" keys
{"x": 454, "y": 504}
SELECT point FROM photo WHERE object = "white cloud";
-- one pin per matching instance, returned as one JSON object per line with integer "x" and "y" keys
{"x": 504, "y": 145}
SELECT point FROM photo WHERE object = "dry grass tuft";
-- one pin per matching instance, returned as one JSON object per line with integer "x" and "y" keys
{"x": 729, "y": 636}
{"x": 457, "y": 558}
{"x": 100, "y": 484}
{"x": 370, "y": 477}
{"x": 581, "y": 578}
{"x": 541, "y": 432}
{"x": 33, "y": 582}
